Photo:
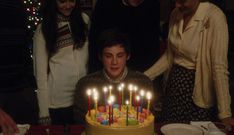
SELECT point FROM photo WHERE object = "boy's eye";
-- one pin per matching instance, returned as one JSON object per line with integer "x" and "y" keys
{"x": 120, "y": 55}
{"x": 107, "y": 55}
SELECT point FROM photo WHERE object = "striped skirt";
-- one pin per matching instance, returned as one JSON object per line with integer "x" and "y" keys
{"x": 178, "y": 105}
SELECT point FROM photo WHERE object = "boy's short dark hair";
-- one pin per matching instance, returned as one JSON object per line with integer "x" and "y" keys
{"x": 112, "y": 37}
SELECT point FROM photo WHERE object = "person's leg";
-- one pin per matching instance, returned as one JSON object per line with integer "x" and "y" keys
{"x": 62, "y": 116}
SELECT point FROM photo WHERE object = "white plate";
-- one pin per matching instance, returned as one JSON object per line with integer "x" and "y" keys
{"x": 181, "y": 129}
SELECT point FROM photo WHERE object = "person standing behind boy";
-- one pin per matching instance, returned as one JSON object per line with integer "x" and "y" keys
{"x": 114, "y": 52}
{"x": 139, "y": 19}
{"x": 60, "y": 59}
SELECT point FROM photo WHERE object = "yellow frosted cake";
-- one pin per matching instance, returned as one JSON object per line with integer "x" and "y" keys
{"x": 118, "y": 122}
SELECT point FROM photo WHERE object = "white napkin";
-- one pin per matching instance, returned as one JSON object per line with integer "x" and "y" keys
{"x": 23, "y": 128}
{"x": 208, "y": 130}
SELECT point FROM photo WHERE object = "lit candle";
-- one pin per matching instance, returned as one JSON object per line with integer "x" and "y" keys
{"x": 95, "y": 97}
{"x": 127, "y": 102}
{"x": 134, "y": 93}
{"x": 112, "y": 98}
{"x": 122, "y": 85}
{"x": 148, "y": 96}
{"x": 110, "y": 102}
{"x": 110, "y": 89}
{"x": 138, "y": 104}
{"x": 130, "y": 87}
{"x": 142, "y": 94}
{"x": 120, "y": 100}
{"x": 105, "y": 98}
{"x": 89, "y": 100}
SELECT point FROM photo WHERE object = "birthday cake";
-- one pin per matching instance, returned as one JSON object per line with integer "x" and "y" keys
{"x": 115, "y": 121}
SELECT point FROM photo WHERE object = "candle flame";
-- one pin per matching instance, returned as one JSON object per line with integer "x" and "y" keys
{"x": 120, "y": 88}
{"x": 130, "y": 87}
{"x": 142, "y": 93}
{"x": 127, "y": 102}
{"x": 148, "y": 95}
{"x": 111, "y": 99}
{"x": 95, "y": 95}
{"x": 135, "y": 88}
{"x": 105, "y": 89}
{"x": 89, "y": 92}
{"x": 122, "y": 85}
{"x": 94, "y": 90}
{"x": 137, "y": 97}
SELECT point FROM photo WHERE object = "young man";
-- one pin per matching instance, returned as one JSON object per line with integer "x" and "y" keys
{"x": 114, "y": 52}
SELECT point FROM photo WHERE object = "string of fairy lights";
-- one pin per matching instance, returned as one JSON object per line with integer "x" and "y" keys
{"x": 33, "y": 16}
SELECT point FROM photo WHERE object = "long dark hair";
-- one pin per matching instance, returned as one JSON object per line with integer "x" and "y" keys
{"x": 49, "y": 25}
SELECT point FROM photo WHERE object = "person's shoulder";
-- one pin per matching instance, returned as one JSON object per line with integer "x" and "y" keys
{"x": 214, "y": 12}
{"x": 91, "y": 76}
{"x": 215, "y": 18}
{"x": 90, "y": 80}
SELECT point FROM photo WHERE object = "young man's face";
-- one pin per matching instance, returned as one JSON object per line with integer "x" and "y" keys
{"x": 114, "y": 60}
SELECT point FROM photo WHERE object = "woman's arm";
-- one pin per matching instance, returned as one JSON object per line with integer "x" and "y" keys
{"x": 40, "y": 58}
{"x": 159, "y": 67}
{"x": 219, "y": 64}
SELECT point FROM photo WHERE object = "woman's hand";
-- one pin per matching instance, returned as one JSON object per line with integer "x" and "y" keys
{"x": 45, "y": 121}
{"x": 7, "y": 124}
